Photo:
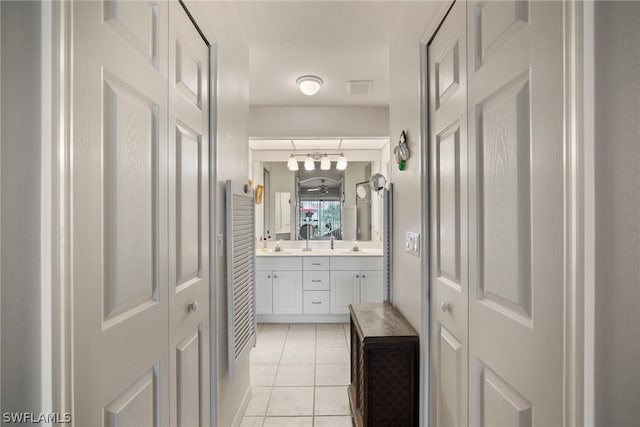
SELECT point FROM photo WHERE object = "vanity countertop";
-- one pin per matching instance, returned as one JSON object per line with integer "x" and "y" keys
{"x": 319, "y": 252}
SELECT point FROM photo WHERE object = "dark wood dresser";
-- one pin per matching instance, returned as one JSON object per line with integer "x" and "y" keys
{"x": 384, "y": 367}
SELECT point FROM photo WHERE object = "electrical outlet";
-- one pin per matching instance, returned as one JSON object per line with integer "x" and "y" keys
{"x": 412, "y": 243}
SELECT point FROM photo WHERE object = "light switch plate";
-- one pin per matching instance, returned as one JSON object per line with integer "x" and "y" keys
{"x": 412, "y": 243}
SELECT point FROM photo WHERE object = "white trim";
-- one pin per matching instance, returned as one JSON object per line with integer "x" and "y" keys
{"x": 46, "y": 208}
{"x": 61, "y": 281}
{"x": 237, "y": 419}
{"x": 425, "y": 348}
{"x": 588, "y": 88}
{"x": 213, "y": 240}
{"x": 574, "y": 262}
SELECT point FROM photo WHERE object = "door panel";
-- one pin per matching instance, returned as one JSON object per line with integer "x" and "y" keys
{"x": 371, "y": 287}
{"x": 264, "y": 293}
{"x": 345, "y": 290}
{"x": 119, "y": 213}
{"x": 136, "y": 406}
{"x": 448, "y": 176}
{"x": 188, "y": 224}
{"x": 516, "y": 206}
{"x": 188, "y": 379}
{"x": 287, "y": 292}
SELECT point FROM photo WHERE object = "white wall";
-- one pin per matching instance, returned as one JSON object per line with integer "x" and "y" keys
{"x": 20, "y": 154}
{"x": 617, "y": 192}
{"x": 290, "y": 122}
{"x": 232, "y": 153}
{"x": 404, "y": 114}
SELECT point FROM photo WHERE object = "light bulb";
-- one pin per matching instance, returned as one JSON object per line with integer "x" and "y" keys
{"x": 292, "y": 164}
{"x": 308, "y": 163}
{"x": 325, "y": 163}
{"x": 342, "y": 163}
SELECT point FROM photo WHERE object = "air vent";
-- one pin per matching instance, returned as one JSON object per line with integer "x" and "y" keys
{"x": 359, "y": 87}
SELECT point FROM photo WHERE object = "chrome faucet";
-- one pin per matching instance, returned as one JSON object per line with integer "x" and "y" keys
{"x": 331, "y": 240}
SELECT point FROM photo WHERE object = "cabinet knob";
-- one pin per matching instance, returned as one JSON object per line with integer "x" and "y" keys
{"x": 191, "y": 307}
{"x": 446, "y": 306}
{"x": 275, "y": 277}
{"x": 357, "y": 276}
{"x": 268, "y": 276}
{"x": 363, "y": 276}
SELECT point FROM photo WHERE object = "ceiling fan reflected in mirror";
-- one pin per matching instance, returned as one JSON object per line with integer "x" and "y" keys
{"x": 322, "y": 189}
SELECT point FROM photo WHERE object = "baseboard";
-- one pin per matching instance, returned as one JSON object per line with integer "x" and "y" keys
{"x": 237, "y": 420}
{"x": 303, "y": 318}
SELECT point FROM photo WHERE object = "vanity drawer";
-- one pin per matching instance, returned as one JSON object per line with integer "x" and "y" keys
{"x": 316, "y": 302}
{"x": 356, "y": 263}
{"x": 278, "y": 263}
{"x": 316, "y": 280}
{"x": 316, "y": 263}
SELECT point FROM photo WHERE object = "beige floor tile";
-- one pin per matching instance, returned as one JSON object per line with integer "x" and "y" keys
{"x": 259, "y": 401}
{"x": 333, "y": 375}
{"x": 298, "y": 355}
{"x": 332, "y": 355}
{"x": 331, "y": 340}
{"x": 288, "y": 422}
{"x": 252, "y": 422}
{"x": 335, "y": 421}
{"x": 330, "y": 327}
{"x": 331, "y": 401}
{"x": 262, "y": 375}
{"x": 291, "y": 401}
{"x": 295, "y": 375}
{"x": 265, "y": 355}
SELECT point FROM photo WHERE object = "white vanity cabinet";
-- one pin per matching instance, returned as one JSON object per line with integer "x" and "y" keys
{"x": 355, "y": 280}
{"x": 278, "y": 285}
{"x": 313, "y": 288}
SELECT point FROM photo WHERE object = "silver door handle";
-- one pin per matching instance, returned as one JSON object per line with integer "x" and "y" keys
{"x": 446, "y": 306}
{"x": 191, "y": 307}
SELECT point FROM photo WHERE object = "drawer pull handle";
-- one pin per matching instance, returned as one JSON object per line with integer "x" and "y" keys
{"x": 316, "y": 281}
{"x": 316, "y": 302}
{"x": 316, "y": 263}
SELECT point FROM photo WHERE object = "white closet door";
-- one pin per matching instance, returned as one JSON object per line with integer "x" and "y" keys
{"x": 188, "y": 221}
{"x": 119, "y": 214}
{"x": 449, "y": 259}
{"x": 516, "y": 209}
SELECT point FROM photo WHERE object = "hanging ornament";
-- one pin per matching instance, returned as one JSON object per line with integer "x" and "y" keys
{"x": 402, "y": 151}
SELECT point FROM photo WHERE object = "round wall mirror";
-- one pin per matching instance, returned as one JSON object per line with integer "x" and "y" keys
{"x": 377, "y": 181}
{"x": 361, "y": 192}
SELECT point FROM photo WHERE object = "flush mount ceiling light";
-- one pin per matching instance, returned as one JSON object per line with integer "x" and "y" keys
{"x": 342, "y": 163}
{"x": 309, "y": 165}
{"x": 309, "y": 85}
{"x": 292, "y": 163}
{"x": 325, "y": 163}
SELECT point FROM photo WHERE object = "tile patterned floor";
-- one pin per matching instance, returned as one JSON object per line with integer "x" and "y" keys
{"x": 299, "y": 376}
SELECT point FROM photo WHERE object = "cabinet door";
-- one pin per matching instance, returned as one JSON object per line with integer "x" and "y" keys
{"x": 264, "y": 293}
{"x": 345, "y": 290}
{"x": 371, "y": 287}
{"x": 287, "y": 292}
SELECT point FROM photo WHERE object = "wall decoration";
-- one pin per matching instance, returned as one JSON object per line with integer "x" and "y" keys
{"x": 402, "y": 151}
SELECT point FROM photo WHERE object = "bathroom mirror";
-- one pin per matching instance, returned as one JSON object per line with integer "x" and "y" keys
{"x": 318, "y": 204}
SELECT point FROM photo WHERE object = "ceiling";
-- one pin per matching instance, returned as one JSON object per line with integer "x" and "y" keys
{"x": 337, "y": 41}
{"x": 318, "y": 144}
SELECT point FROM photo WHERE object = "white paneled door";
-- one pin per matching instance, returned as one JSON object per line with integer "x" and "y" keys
{"x": 188, "y": 141}
{"x": 138, "y": 217}
{"x": 449, "y": 218}
{"x": 516, "y": 208}
{"x": 497, "y": 215}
